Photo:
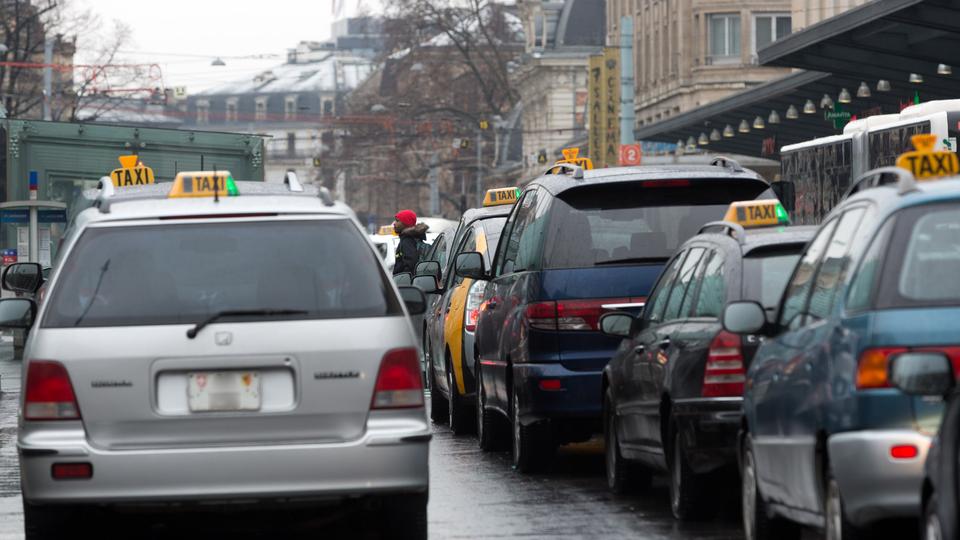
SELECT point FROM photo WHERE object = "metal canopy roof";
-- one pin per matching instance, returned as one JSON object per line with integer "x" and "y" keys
{"x": 885, "y": 39}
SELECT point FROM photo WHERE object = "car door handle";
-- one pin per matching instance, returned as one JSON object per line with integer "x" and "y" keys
{"x": 665, "y": 342}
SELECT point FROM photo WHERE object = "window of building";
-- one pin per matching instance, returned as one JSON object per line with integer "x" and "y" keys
{"x": 291, "y": 144}
{"x": 290, "y": 108}
{"x": 203, "y": 112}
{"x": 231, "y": 109}
{"x": 261, "y": 110}
{"x": 538, "y": 31}
{"x": 768, "y": 28}
{"x": 327, "y": 107}
{"x": 724, "y": 36}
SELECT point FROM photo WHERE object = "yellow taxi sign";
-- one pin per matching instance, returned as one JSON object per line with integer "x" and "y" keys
{"x": 750, "y": 214}
{"x": 926, "y": 163}
{"x": 496, "y": 197}
{"x": 572, "y": 156}
{"x": 203, "y": 184}
{"x": 387, "y": 230}
{"x": 132, "y": 172}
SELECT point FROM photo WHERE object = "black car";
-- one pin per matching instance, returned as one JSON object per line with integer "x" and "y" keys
{"x": 672, "y": 392}
{"x": 576, "y": 245}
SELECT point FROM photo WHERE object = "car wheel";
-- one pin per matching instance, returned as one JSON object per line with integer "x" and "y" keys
{"x": 622, "y": 476}
{"x": 533, "y": 445}
{"x": 438, "y": 403}
{"x": 932, "y": 528}
{"x": 489, "y": 425}
{"x": 687, "y": 489}
{"x": 758, "y": 524}
{"x": 404, "y": 517}
{"x": 459, "y": 415}
{"x": 838, "y": 526}
{"x": 50, "y": 522}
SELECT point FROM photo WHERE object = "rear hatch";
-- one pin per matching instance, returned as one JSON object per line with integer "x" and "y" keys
{"x": 297, "y": 363}
{"x": 606, "y": 244}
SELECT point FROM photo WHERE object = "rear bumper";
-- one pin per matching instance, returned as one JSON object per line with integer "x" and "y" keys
{"x": 873, "y": 484}
{"x": 391, "y": 457}
{"x": 708, "y": 428}
{"x": 577, "y": 399}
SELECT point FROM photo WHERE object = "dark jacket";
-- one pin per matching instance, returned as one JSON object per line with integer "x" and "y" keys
{"x": 408, "y": 252}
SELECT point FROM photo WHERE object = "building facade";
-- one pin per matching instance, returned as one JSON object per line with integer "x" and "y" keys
{"x": 809, "y": 12}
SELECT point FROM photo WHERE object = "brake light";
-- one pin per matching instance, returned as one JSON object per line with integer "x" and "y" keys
{"x": 49, "y": 394}
{"x": 542, "y": 315}
{"x": 576, "y": 315}
{"x": 474, "y": 298}
{"x": 665, "y": 183}
{"x": 71, "y": 471}
{"x": 724, "y": 374}
{"x": 904, "y": 451}
{"x": 398, "y": 381}
{"x": 873, "y": 366}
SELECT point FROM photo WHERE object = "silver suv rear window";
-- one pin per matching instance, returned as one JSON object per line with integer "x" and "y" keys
{"x": 179, "y": 274}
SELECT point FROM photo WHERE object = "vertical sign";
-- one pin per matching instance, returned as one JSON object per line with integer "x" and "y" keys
{"x": 611, "y": 98}
{"x": 597, "y": 110}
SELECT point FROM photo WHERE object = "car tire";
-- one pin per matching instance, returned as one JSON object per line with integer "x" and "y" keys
{"x": 533, "y": 445}
{"x": 758, "y": 523}
{"x": 622, "y": 476}
{"x": 404, "y": 517}
{"x": 489, "y": 424}
{"x": 459, "y": 417}
{"x": 687, "y": 489}
{"x": 932, "y": 526}
{"x": 838, "y": 527}
{"x": 438, "y": 403}
{"x": 50, "y": 522}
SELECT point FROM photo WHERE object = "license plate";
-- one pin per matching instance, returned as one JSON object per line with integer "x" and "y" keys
{"x": 224, "y": 391}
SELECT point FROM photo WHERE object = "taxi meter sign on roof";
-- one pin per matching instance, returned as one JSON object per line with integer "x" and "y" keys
{"x": 132, "y": 172}
{"x": 203, "y": 184}
{"x": 927, "y": 163}
{"x": 749, "y": 214}
{"x": 572, "y": 156}
{"x": 496, "y": 197}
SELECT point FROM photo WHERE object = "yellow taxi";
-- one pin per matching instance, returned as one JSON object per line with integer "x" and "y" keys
{"x": 449, "y": 327}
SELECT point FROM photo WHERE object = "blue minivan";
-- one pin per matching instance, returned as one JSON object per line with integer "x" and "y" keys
{"x": 577, "y": 244}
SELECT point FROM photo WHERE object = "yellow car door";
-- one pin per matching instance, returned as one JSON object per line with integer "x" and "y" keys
{"x": 454, "y": 317}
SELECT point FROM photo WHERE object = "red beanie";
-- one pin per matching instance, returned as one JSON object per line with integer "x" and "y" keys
{"x": 407, "y": 217}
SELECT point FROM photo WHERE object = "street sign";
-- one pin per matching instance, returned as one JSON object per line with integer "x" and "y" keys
{"x": 630, "y": 154}
{"x": 925, "y": 162}
{"x": 132, "y": 172}
{"x": 179, "y": 92}
{"x": 9, "y": 256}
{"x": 22, "y": 215}
{"x": 316, "y": 162}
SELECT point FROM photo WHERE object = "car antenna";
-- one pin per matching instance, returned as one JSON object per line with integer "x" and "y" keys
{"x": 216, "y": 188}
{"x": 201, "y": 162}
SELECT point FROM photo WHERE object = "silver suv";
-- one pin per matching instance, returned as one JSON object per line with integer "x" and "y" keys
{"x": 247, "y": 346}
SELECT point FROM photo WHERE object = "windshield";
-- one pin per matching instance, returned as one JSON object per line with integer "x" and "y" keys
{"x": 765, "y": 275}
{"x": 624, "y": 223}
{"x": 149, "y": 275}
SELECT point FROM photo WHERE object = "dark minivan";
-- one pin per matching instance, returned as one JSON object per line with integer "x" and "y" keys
{"x": 577, "y": 245}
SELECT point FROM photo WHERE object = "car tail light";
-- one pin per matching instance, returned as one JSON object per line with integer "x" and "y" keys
{"x": 874, "y": 366}
{"x": 724, "y": 374}
{"x": 576, "y": 315}
{"x": 904, "y": 451}
{"x": 398, "y": 381}
{"x": 550, "y": 385}
{"x": 49, "y": 394}
{"x": 474, "y": 299}
{"x": 71, "y": 471}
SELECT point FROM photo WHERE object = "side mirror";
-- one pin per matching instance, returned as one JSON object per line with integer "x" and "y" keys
{"x": 617, "y": 324}
{"x": 471, "y": 266}
{"x": 427, "y": 284}
{"x": 414, "y": 299}
{"x": 17, "y": 313}
{"x": 922, "y": 373}
{"x": 429, "y": 268}
{"x": 744, "y": 318}
{"x": 23, "y": 277}
{"x": 403, "y": 279}
{"x": 786, "y": 192}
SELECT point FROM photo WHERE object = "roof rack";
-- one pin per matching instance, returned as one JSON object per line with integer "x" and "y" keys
{"x": 576, "y": 170}
{"x": 292, "y": 182}
{"x": 883, "y": 176}
{"x": 727, "y": 163}
{"x": 105, "y": 185}
{"x": 325, "y": 196}
{"x": 733, "y": 230}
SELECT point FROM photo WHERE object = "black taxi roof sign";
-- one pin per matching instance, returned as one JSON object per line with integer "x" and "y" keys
{"x": 926, "y": 163}
{"x": 203, "y": 184}
{"x": 132, "y": 172}
{"x": 499, "y": 196}
{"x": 752, "y": 214}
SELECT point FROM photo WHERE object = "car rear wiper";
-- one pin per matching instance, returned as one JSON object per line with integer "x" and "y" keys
{"x": 192, "y": 333}
{"x": 632, "y": 260}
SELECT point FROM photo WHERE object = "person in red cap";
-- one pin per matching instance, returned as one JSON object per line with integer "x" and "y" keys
{"x": 413, "y": 241}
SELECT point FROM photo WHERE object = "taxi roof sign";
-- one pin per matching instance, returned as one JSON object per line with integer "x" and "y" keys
{"x": 132, "y": 172}
{"x": 572, "y": 156}
{"x": 752, "y": 214}
{"x": 926, "y": 163}
{"x": 499, "y": 196}
{"x": 387, "y": 230}
{"x": 203, "y": 184}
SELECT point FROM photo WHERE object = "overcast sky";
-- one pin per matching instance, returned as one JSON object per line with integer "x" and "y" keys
{"x": 184, "y": 36}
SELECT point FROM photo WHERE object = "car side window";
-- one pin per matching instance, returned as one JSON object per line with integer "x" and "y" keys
{"x": 438, "y": 252}
{"x": 653, "y": 314}
{"x": 682, "y": 284}
{"x": 468, "y": 244}
{"x": 713, "y": 288}
{"x": 686, "y": 309}
{"x": 798, "y": 288}
{"x": 520, "y": 242}
{"x": 832, "y": 271}
{"x": 861, "y": 290}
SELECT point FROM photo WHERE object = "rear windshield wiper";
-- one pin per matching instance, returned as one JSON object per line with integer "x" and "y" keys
{"x": 192, "y": 333}
{"x": 633, "y": 260}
